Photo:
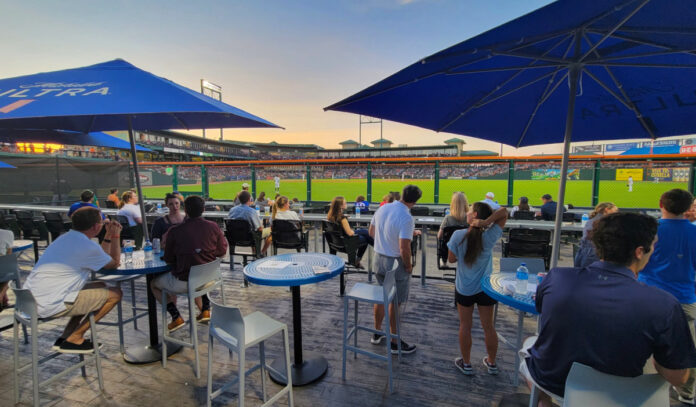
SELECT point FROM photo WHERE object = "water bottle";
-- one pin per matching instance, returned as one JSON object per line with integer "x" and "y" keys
{"x": 149, "y": 255}
{"x": 156, "y": 247}
{"x": 357, "y": 212}
{"x": 128, "y": 251}
{"x": 522, "y": 276}
{"x": 301, "y": 211}
{"x": 585, "y": 218}
{"x": 159, "y": 208}
{"x": 447, "y": 211}
{"x": 258, "y": 211}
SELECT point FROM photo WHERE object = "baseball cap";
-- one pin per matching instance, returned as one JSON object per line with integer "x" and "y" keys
{"x": 245, "y": 185}
{"x": 490, "y": 195}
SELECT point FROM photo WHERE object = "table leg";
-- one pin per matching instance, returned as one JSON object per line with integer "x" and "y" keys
{"x": 151, "y": 351}
{"x": 307, "y": 368}
{"x": 369, "y": 264}
{"x": 520, "y": 326}
{"x": 424, "y": 233}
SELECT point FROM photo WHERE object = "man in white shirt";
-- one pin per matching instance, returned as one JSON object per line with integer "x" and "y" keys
{"x": 489, "y": 200}
{"x": 392, "y": 228}
{"x": 6, "y": 240}
{"x": 59, "y": 284}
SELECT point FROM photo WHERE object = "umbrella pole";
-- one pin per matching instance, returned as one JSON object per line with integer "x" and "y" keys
{"x": 573, "y": 75}
{"x": 139, "y": 188}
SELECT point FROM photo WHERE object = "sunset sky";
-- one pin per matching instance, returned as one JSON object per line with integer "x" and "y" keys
{"x": 280, "y": 60}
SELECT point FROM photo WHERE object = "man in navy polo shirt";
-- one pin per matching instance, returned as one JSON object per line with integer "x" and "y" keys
{"x": 602, "y": 317}
{"x": 672, "y": 267}
{"x": 548, "y": 209}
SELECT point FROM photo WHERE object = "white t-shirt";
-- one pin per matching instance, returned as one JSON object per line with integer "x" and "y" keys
{"x": 286, "y": 215}
{"x": 6, "y": 240}
{"x": 130, "y": 211}
{"x": 517, "y": 208}
{"x": 392, "y": 222}
{"x": 277, "y": 181}
{"x": 63, "y": 270}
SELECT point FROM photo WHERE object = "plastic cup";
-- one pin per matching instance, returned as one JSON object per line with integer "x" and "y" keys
{"x": 540, "y": 276}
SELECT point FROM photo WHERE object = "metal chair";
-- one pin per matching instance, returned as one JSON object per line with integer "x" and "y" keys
{"x": 528, "y": 243}
{"x": 25, "y": 313}
{"x": 56, "y": 224}
{"x": 10, "y": 223}
{"x": 288, "y": 234}
{"x": 420, "y": 211}
{"x": 339, "y": 242}
{"x": 586, "y": 386}
{"x": 372, "y": 294}
{"x": 33, "y": 229}
{"x": 237, "y": 333}
{"x": 239, "y": 233}
{"x": 442, "y": 250}
{"x": 202, "y": 280}
{"x": 9, "y": 271}
{"x": 523, "y": 215}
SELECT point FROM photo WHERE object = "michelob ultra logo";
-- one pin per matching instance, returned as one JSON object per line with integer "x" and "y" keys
{"x": 40, "y": 89}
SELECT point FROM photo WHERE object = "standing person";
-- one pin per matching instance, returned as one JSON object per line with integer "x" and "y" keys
{"x": 586, "y": 252}
{"x": 672, "y": 266}
{"x": 337, "y": 215}
{"x": 174, "y": 217}
{"x": 489, "y": 200}
{"x": 602, "y": 317}
{"x": 131, "y": 210}
{"x": 113, "y": 198}
{"x": 629, "y": 184}
{"x": 472, "y": 250}
{"x": 59, "y": 284}
{"x": 195, "y": 241}
{"x": 86, "y": 199}
{"x": 459, "y": 207}
{"x": 276, "y": 181}
{"x": 245, "y": 187}
{"x": 523, "y": 207}
{"x": 392, "y": 228}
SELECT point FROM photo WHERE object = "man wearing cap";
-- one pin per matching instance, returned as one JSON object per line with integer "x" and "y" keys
{"x": 548, "y": 209}
{"x": 489, "y": 200}
{"x": 245, "y": 187}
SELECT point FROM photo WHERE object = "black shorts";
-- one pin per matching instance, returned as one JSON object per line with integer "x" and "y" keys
{"x": 482, "y": 299}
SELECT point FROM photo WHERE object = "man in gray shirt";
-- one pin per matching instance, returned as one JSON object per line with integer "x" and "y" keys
{"x": 245, "y": 212}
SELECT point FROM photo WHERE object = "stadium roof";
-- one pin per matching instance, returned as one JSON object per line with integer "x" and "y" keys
{"x": 455, "y": 140}
{"x": 349, "y": 142}
{"x": 382, "y": 141}
{"x": 479, "y": 153}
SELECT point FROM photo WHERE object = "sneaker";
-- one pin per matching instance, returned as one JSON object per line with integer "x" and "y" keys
{"x": 377, "y": 339}
{"x": 204, "y": 316}
{"x": 463, "y": 367}
{"x": 685, "y": 400}
{"x": 405, "y": 348}
{"x": 69, "y": 347}
{"x": 175, "y": 324}
{"x": 492, "y": 368}
{"x": 57, "y": 343}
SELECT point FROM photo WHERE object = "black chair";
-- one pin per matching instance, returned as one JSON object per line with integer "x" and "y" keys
{"x": 528, "y": 243}
{"x": 56, "y": 224}
{"x": 339, "y": 242}
{"x": 420, "y": 211}
{"x": 523, "y": 215}
{"x": 442, "y": 250}
{"x": 32, "y": 229}
{"x": 128, "y": 232}
{"x": 10, "y": 223}
{"x": 110, "y": 205}
{"x": 568, "y": 217}
{"x": 288, "y": 234}
{"x": 239, "y": 233}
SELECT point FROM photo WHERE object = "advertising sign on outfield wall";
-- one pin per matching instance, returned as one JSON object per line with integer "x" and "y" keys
{"x": 622, "y": 174}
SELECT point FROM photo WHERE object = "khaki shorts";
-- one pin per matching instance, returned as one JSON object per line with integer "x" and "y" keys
{"x": 265, "y": 233}
{"x": 170, "y": 284}
{"x": 91, "y": 298}
{"x": 384, "y": 264}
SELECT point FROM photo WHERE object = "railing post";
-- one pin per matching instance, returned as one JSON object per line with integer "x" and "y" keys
{"x": 436, "y": 196}
{"x": 369, "y": 182}
{"x": 175, "y": 178}
{"x": 692, "y": 173}
{"x": 511, "y": 183}
{"x": 595, "y": 183}
{"x": 309, "y": 183}
{"x": 205, "y": 187}
{"x": 253, "y": 180}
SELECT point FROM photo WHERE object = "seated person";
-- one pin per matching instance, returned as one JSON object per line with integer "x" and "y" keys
{"x": 6, "y": 241}
{"x": 587, "y": 254}
{"x": 602, "y": 317}
{"x": 245, "y": 211}
{"x": 548, "y": 209}
{"x": 262, "y": 201}
{"x": 361, "y": 203}
{"x": 195, "y": 241}
{"x": 113, "y": 198}
{"x": 174, "y": 217}
{"x": 281, "y": 210}
{"x": 459, "y": 207}
{"x": 489, "y": 200}
{"x": 523, "y": 206}
{"x": 390, "y": 197}
{"x": 131, "y": 210}
{"x": 245, "y": 187}
{"x": 336, "y": 215}
{"x": 59, "y": 284}
{"x": 86, "y": 198}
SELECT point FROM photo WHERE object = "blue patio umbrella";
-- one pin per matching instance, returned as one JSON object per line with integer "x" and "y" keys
{"x": 575, "y": 69}
{"x": 96, "y": 139}
{"x": 6, "y": 165}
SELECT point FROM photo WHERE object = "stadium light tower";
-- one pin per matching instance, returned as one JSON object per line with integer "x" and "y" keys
{"x": 368, "y": 120}
{"x": 214, "y": 91}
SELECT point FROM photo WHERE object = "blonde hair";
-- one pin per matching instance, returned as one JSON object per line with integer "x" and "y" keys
{"x": 279, "y": 202}
{"x": 601, "y": 208}
{"x": 459, "y": 206}
{"x": 336, "y": 209}
{"x": 125, "y": 198}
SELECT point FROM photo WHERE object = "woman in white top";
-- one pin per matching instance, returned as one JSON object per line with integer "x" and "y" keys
{"x": 281, "y": 210}
{"x": 523, "y": 206}
{"x": 130, "y": 209}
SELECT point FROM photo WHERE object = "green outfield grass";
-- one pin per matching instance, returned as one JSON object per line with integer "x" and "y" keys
{"x": 645, "y": 194}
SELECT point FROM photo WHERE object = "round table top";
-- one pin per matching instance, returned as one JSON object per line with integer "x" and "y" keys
{"x": 139, "y": 265}
{"x": 21, "y": 245}
{"x": 294, "y": 269}
{"x": 493, "y": 286}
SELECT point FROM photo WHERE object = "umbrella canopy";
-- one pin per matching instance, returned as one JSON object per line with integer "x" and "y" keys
{"x": 6, "y": 165}
{"x": 593, "y": 70}
{"x": 96, "y": 139}
{"x": 105, "y": 96}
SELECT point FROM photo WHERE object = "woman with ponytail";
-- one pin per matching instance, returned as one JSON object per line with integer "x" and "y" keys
{"x": 472, "y": 250}
{"x": 281, "y": 210}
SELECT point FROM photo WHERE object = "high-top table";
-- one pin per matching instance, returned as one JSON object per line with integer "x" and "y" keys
{"x": 145, "y": 352}
{"x": 21, "y": 245}
{"x": 294, "y": 270}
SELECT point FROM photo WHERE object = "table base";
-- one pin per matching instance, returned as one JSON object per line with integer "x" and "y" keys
{"x": 313, "y": 368}
{"x": 144, "y": 353}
